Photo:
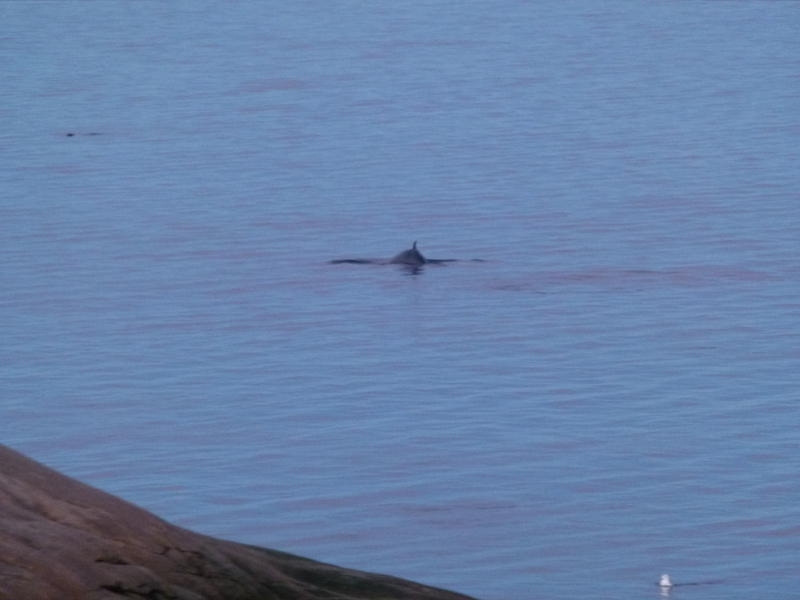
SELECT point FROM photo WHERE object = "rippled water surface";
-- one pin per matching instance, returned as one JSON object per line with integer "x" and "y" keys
{"x": 611, "y": 394}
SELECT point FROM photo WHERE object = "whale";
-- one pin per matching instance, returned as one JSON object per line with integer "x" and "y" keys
{"x": 409, "y": 257}
{"x": 412, "y": 259}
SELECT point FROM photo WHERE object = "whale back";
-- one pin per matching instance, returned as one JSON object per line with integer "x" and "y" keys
{"x": 409, "y": 257}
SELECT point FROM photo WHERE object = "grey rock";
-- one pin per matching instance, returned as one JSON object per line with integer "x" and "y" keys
{"x": 61, "y": 539}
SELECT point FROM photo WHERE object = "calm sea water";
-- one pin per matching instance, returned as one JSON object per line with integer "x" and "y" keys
{"x": 611, "y": 395}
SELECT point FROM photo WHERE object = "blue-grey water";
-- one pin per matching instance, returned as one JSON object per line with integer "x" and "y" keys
{"x": 613, "y": 394}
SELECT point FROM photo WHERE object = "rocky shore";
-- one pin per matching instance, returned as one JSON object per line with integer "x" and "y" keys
{"x": 61, "y": 539}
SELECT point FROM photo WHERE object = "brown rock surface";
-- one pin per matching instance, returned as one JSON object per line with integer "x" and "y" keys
{"x": 63, "y": 540}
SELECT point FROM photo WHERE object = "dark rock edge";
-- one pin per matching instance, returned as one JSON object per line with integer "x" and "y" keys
{"x": 61, "y": 539}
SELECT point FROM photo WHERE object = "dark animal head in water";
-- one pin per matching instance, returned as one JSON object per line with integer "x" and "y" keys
{"x": 409, "y": 257}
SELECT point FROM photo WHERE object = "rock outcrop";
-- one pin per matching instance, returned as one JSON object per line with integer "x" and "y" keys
{"x": 63, "y": 540}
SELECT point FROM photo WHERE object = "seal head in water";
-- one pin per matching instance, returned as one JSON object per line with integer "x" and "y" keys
{"x": 409, "y": 257}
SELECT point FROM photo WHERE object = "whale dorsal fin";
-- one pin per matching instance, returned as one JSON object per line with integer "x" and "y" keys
{"x": 409, "y": 257}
